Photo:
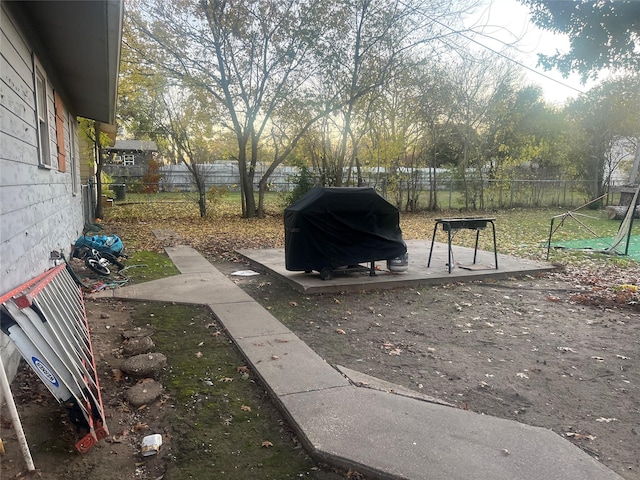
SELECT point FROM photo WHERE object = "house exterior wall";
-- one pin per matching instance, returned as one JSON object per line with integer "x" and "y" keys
{"x": 40, "y": 207}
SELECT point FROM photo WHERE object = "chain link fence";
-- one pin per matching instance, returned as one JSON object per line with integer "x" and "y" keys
{"x": 408, "y": 190}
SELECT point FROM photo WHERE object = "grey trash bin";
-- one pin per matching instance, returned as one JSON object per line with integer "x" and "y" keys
{"x": 120, "y": 190}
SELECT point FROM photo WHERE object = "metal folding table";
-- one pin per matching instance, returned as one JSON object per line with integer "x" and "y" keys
{"x": 453, "y": 224}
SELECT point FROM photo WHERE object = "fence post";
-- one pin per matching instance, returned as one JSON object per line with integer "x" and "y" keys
{"x": 511, "y": 197}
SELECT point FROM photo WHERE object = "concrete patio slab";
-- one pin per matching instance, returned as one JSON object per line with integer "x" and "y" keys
{"x": 273, "y": 260}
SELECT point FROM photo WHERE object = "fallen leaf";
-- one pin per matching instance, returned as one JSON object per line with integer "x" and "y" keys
{"x": 245, "y": 408}
{"x": 598, "y": 359}
{"x": 118, "y": 375}
{"x": 217, "y": 333}
{"x": 293, "y": 304}
{"x": 337, "y": 301}
{"x": 580, "y": 436}
{"x": 354, "y": 475}
{"x": 395, "y": 351}
{"x": 605, "y": 420}
{"x": 553, "y": 298}
{"x": 140, "y": 427}
{"x": 226, "y": 379}
{"x": 622, "y": 357}
{"x": 340, "y": 331}
{"x": 567, "y": 349}
{"x": 243, "y": 369}
{"x": 198, "y": 354}
{"x": 281, "y": 340}
{"x": 274, "y": 357}
{"x": 522, "y": 375}
{"x": 267, "y": 444}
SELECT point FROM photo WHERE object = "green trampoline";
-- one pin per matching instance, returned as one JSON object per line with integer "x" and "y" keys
{"x": 601, "y": 245}
{"x": 624, "y": 243}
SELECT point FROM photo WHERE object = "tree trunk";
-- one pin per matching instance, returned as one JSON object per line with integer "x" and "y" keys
{"x": 246, "y": 180}
{"x": 620, "y": 211}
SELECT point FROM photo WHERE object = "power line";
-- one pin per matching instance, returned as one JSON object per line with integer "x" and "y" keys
{"x": 507, "y": 57}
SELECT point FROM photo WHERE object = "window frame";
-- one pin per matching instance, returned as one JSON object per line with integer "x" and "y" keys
{"x": 128, "y": 159}
{"x": 41, "y": 94}
{"x": 73, "y": 152}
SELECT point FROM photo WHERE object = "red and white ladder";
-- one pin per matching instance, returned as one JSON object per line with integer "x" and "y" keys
{"x": 46, "y": 319}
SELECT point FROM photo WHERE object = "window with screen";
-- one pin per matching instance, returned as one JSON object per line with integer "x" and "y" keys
{"x": 42, "y": 113}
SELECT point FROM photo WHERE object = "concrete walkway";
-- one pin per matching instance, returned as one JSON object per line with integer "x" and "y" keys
{"x": 382, "y": 431}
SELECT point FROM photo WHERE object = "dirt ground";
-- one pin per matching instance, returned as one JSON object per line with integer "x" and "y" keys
{"x": 525, "y": 349}
{"x": 50, "y": 434}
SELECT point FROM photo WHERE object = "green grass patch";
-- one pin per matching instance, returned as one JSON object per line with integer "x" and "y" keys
{"x": 146, "y": 266}
{"x": 222, "y": 416}
{"x": 521, "y": 232}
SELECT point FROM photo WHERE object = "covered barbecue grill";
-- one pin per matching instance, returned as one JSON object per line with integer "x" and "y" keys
{"x": 332, "y": 228}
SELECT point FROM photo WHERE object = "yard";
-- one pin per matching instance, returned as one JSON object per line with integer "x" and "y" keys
{"x": 559, "y": 351}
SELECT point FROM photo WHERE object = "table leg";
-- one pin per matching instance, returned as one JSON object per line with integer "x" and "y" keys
{"x": 433, "y": 238}
{"x": 475, "y": 251}
{"x": 495, "y": 247}
{"x": 450, "y": 252}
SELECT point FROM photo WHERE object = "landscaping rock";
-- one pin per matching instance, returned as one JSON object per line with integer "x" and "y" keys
{"x": 144, "y": 365}
{"x": 137, "y": 345}
{"x": 144, "y": 392}
{"x": 138, "y": 332}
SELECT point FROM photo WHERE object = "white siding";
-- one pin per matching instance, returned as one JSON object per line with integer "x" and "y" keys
{"x": 39, "y": 212}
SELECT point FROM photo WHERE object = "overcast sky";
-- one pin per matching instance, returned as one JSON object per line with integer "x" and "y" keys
{"x": 508, "y": 21}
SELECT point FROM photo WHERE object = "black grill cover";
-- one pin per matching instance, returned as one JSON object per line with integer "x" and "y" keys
{"x": 333, "y": 226}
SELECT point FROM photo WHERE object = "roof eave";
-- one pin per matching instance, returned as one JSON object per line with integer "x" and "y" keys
{"x": 81, "y": 42}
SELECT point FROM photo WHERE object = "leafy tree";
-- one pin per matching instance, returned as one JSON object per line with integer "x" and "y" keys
{"x": 479, "y": 84}
{"x": 603, "y": 34}
{"x": 303, "y": 182}
{"x": 96, "y": 139}
{"x": 249, "y": 57}
{"x": 601, "y": 117}
{"x": 374, "y": 42}
{"x": 187, "y": 127}
{"x": 435, "y": 110}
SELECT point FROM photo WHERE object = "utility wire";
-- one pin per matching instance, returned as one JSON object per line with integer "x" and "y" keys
{"x": 503, "y": 55}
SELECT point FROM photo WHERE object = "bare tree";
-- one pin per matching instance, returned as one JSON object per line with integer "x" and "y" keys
{"x": 256, "y": 59}
{"x": 250, "y": 57}
{"x": 376, "y": 41}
